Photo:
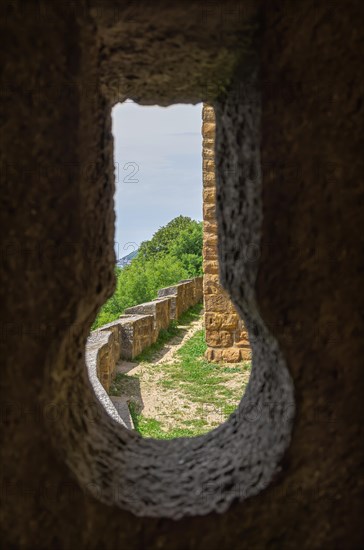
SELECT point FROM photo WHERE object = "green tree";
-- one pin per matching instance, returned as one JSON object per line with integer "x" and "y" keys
{"x": 174, "y": 253}
{"x": 188, "y": 249}
{"x": 164, "y": 238}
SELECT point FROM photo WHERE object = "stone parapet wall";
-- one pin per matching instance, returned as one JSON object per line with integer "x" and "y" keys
{"x": 100, "y": 362}
{"x": 100, "y": 351}
{"x": 137, "y": 333}
{"x": 183, "y": 295}
{"x": 159, "y": 309}
{"x": 226, "y": 336}
{"x": 284, "y": 471}
{"x": 138, "y": 328}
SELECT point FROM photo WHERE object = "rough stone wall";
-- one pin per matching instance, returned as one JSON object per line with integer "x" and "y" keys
{"x": 138, "y": 328}
{"x": 103, "y": 347}
{"x": 226, "y": 335}
{"x": 100, "y": 346}
{"x": 137, "y": 333}
{"x": 106, "y": 364}
{"x": 67, "y": 469}
{"x": 159, "y": 309}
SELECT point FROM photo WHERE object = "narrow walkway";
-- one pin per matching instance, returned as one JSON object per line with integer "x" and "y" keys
{"x": 180, "y": 396}
{"x": 168, "y": 353}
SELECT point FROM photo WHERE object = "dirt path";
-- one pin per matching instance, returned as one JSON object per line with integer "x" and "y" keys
{"x": 142, "y": 387}
{"x": 146, "y": 384}
{"x": 168, "y": 354}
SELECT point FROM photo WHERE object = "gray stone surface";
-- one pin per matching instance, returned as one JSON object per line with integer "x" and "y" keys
{"x": 261, "y": 426}
{"x": 122, "y": 407}
{"x": 137, "y": 333}
{"x": 73, "y": 476}
{"x": 160, "y": 309}
{"x": 94, "y": 342}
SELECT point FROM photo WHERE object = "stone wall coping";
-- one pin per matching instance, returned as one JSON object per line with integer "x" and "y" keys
{"x": 126, "y": 319}
{"x": 95, "y": 342}
{"x": 103, "y": 339}
{"x": 151, "y": 303}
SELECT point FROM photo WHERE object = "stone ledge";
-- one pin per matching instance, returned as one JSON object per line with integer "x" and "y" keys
{"x": 122, "y": 407}
{"x": 159, "y": 309}
{"x": 138, "y": 328}
{"x": 95, "y": 342}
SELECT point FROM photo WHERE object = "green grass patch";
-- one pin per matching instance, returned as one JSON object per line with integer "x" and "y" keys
{"x": 211, "y": 390}
{"x": 198, "y": 381}
{"x": 150, "y": 427}
{"x": 121, "y": 383}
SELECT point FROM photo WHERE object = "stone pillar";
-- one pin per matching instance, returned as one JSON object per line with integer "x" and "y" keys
{"x": 226, "y": 336}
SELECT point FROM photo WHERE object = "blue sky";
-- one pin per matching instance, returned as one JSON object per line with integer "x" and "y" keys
{"x": 158, "y": 159}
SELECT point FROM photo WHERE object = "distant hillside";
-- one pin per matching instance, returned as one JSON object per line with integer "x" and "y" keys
{"x": 125, "y": 260}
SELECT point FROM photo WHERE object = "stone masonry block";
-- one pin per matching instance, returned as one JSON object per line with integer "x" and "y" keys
{"x": 209, "y": 252}
{"x": 219, "y": 338}
{"x": 208, "y": 151}
{"x": 210, "y": 240}
{"x": 231, "y": 355}
{"x": 241, "y": 338}
{"x": 208, "y": 114}
{"x": 137, "y": 333}
{"x": 213, "y": 355}
{"x": 208, "y": 129}
{"x": 209, "y": 196}
{"x": 160, "y": 309}
{"x": 220, "y": 321}
{"x": 245, "y": 354}
{"x": 212, "y": 285}
{"x": 211, "y": 267}
{"x": 218, "y": 303}
{"x": 209, "y": 212}
{"x": 210, "y": 227}
{"x": 208, "y": 180}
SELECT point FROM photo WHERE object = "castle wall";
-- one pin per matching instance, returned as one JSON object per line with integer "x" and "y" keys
{"x": 283, "y": 471}
{"x": 226, "y": 335}
{"x": 138, "y": 328}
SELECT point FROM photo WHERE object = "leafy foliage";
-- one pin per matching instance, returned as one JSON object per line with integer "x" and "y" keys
{"x": 188, "y": 248}
{"x": 174, "y": 253}
{"x": 164, "y": 238}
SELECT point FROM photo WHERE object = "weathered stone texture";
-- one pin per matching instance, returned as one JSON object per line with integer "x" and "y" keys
{"x": 222, "y": 323}
{"x": 102, "y": 346}
{"x": 115, "y": 328}
{"x": 285, "y": 471}
{"x": 183, "y": 295}
{"x": 137, "y": 333}
{"x": 139, "y": 328}
{"x": 160, "y": 309}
